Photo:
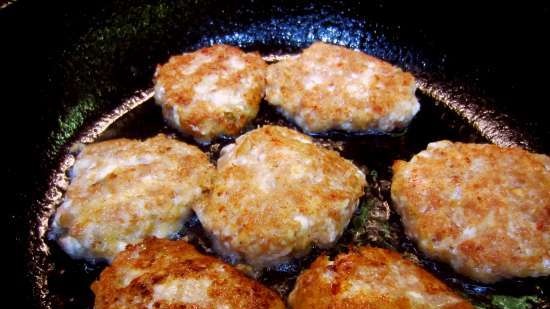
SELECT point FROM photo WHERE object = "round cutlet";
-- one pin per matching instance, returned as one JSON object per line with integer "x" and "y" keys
{"x": 371, "y": 278}
{"x": 123, "y": 190}
{"x": 214, "y": 91}
{"x": 331, "y": 87}
{"x": 276, "y": 194}
{"x": 160, "y": 273}
{"x": 481, "y": 208}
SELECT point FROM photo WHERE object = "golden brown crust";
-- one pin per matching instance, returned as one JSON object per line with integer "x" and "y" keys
{"x": 213, "y": 91}
{"x": 276, "y": 194}
{"x": 124, "y": 190}
{"x": 371, "y": 278}
{"x": 332, "y": 87}
{"x": 481, "y": 208}
{"x": 160, "y": 273}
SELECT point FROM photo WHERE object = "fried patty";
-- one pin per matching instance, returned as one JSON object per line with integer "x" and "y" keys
{"x": 331, "y": 87}
{"x": 123, "y": 190}
{"x": 276, "y": 194}
{"x": 214, "y": 91}
{"x": 483, "y": 209}
{"x": 370, "y": 278}
{"x": 160, "y": 273}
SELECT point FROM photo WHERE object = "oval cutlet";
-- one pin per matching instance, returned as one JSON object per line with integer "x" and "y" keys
{"x": 331, "y": 87}
{"x": 276, "y": 194}
{"x": 371, "y": 278}
{"x": 124, "y": 190}
{"x": 214, "y": 91}
{"x": 160, "y": 273}
{"x": 483, "y": 209}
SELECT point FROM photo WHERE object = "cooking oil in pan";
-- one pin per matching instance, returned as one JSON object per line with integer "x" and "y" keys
{"x": 65, "y": 282}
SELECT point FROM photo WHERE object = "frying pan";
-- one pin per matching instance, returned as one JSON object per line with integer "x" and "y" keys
{"x": 72, "y": 67}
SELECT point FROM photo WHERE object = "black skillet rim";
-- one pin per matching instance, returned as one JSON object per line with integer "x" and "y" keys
{"x": 475, "y": 60}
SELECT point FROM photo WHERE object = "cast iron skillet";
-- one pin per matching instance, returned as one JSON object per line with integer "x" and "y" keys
{"x": 73, "y": 68}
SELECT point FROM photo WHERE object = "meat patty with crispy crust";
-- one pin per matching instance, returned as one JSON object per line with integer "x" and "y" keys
{"x": 371, "y": 278}
{"x": 276, "y": 194}
{"x": 481, "y": 208}
{"x": 332, "y": 87}
{"x": 160, "y": 273}
{"x": 211, "y": 92}
{"x": 123, "y": 190}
